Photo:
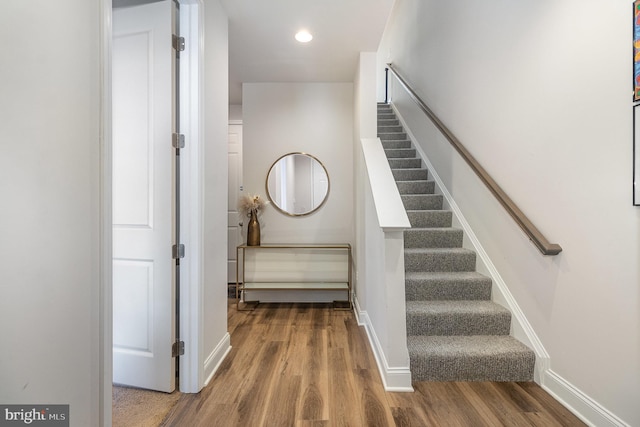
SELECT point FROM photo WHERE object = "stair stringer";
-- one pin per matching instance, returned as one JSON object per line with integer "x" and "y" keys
{"x": 521, "y": 329}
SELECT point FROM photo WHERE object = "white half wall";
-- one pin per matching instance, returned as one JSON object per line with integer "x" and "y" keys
{"x": 542, "y": 98}
{"x": 381, "y": 308}
{"x": 50, "y": 220}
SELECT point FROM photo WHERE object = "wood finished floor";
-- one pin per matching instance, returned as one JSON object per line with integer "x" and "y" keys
{"x": 309, "y": 365}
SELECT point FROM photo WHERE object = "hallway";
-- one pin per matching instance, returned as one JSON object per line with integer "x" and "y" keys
{"x": 310, "y": 365}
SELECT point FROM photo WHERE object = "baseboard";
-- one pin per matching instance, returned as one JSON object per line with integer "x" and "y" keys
{"x": 584, "y": 407}
{"x": 215, "y": 358}
{"x": 357, "y": 310}
{"x": 394, "y": 379}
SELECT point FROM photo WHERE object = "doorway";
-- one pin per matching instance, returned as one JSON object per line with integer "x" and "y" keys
{"x": 190, "y": 319}
{"x": 234, "y": 222}
{"x": 147, "y": 217}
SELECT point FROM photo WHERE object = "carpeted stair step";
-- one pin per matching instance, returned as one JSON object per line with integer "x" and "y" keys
{"x": 400, "y": 153}
{"x": 390, "y": 121}
{"x": 440, "y": 237}
{"x": 422, "y": 201}
{"x": 416, "y": 187}
{"x": 386, "y": 115}
{"x": 410, "y": 174}
{"x": 446, "y": 286}
{"x": 389, "y": 143}
{"x": 457, "y": 318}
{"x": 387, "y": 128}
{"x": 430, "y": 218}
{"x": 405, "y": 163}
{"x": 439, "y": 259}
{"x": 387, "y": 136}
{"x": 385, "y": 119}
{"x": 386, "y": 111}
{"x": 469, "y": 358}
{"x": 398, "y": 143}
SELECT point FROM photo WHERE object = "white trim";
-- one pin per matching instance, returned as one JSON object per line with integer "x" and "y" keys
{"x": 394, "y": 379}
{"x": 520, "y": 326}
{"x": 389, "y": 207}
{"x": 357, "y": 310}
{"x": 584, "y": 407}
{"x": 213, "y": 361}
{"x": 191, "y": 184}
{"x": 105, "y": 333}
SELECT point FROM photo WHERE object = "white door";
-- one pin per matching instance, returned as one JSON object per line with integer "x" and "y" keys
{"x": 143, "y": 197}
{"x": 235, "y": 190}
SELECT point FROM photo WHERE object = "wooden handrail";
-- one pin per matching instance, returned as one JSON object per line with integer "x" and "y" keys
{"x": 520, "y": 218}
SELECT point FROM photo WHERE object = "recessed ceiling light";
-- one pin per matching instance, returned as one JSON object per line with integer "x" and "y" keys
{"x": 303, "y": 36}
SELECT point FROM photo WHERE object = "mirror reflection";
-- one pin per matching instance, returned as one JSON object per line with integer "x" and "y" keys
{"x": 297, "y": 184}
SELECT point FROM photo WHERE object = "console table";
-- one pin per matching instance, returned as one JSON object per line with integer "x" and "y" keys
{"x": 293, "y": 267}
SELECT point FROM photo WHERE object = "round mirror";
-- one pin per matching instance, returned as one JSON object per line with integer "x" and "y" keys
{"x": 297, "y": 184}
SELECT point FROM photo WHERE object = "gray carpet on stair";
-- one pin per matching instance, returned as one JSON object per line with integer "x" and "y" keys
{"x": 469, "y": 358}
{"x": 410, "y": 174}
{"x": 422, "y": 201}
{"x": 430, "y": 218}
{"x": 457, "y": 318}
{"x": 447, "y": 286}
{"x": 439, "y": 259}
{"x": 438, "y": 237}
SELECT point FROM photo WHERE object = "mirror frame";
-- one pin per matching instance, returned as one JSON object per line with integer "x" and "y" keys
{"x": 326, "y": 196}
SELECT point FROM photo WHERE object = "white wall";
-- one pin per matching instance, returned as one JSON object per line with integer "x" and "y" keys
{"x": 235, "y": 112}
{"x": 540, "y": 93}
{"x": 364, "y": 97}
{"x": 50, "y": 219}
{"x": 315, "y": 118}
{"x": 50, "y": 216}
{"x": 216, "y": 118}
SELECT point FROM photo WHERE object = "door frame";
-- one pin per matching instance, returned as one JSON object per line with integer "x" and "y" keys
{"x": 238, "y": 237}
{"x": 191, "y": 221}
{"x": 191, "y": 194}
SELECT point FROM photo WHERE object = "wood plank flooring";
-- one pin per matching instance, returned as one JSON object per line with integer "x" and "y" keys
{"x": 308, "y": 365}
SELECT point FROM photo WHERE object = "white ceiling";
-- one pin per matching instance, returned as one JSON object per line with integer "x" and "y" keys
{"x": 262, "y": 47}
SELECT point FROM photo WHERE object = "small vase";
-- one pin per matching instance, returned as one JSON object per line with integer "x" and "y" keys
{"x": 253, "y": 230}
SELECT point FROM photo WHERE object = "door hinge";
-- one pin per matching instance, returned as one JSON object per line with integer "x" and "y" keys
{"x": 178, "y": 251}
{"x": 178, "y": 43}
{"x": 178, "y": 140}
{"x": 177, "y": 349}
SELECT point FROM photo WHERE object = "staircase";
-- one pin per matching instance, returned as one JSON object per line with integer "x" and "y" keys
{"x": 454, "y": 331}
